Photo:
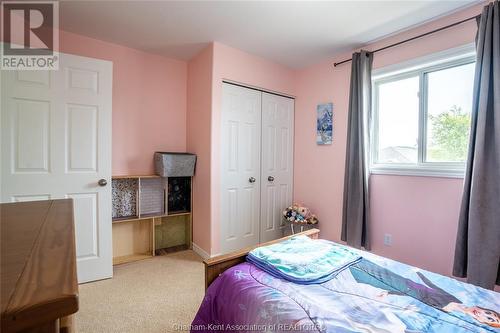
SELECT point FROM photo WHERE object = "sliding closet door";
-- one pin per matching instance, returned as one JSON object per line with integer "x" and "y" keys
{"x": 240, "y": 167}
{"x": 277, "y": 163}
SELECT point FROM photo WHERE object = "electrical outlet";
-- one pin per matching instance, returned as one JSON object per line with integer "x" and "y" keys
{"x": 388, "y": 239}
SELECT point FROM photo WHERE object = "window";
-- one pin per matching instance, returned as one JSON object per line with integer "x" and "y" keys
{"x": 421, "y": 115}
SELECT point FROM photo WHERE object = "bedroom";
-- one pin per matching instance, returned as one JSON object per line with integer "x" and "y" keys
{"x": 135, "y": 78}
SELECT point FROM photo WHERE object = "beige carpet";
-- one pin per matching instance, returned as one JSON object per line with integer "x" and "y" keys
{"x": 152, "y": 295}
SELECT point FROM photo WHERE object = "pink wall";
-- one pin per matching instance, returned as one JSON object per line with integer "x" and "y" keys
{"x": 420, "y": 212}
{"x": 149, "y": 102}
{"x": 199, "y": 108}
{"x": 236, "y": 65}
{"x": 319, "y": 182}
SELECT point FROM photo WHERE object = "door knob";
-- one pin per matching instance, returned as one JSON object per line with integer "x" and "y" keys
{"x": 251, "y": 180}
{"x": 102, "y": 182}
{"x": 270, "y": 178}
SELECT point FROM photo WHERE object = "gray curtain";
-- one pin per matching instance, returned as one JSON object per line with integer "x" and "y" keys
{"x": 355, "y": 216}
{"x": 477, "y": 251}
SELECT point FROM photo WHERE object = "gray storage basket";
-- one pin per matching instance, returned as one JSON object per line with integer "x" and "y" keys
{"x": 175, "y": 164}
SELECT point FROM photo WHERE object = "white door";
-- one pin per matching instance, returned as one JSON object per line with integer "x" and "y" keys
{"x": 240, "y": 167}
{"x": 277, "y": 163}
{"x": 56, "y": 143}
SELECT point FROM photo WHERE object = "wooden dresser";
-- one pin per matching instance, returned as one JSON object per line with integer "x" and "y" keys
{"x": 39, "y": 289}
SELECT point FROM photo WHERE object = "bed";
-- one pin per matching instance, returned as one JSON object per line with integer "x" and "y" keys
{"x": 376, "y": 295}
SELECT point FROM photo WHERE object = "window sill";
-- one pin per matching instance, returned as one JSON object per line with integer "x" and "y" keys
{"x": 419, "y": 172}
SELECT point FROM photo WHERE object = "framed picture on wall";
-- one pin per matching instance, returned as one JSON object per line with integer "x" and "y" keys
{"x": 324, "y": 124}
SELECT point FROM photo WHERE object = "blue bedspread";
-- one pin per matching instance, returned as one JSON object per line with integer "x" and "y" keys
{"x": 375, "y": 294}
{"x": 303, "y": 260}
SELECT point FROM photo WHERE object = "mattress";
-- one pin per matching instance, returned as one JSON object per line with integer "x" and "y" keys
{"x": 374, "y": 295}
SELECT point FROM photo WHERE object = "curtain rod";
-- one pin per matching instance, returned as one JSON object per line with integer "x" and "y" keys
{"x": 413, "y": 38}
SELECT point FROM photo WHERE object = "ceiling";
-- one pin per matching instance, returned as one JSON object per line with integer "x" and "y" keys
{"x": 293, "y": 33}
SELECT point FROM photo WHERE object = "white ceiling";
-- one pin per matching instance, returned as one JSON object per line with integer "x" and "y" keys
{"x": 293, "y": 33}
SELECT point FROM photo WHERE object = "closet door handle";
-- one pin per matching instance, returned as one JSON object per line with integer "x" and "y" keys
{"x": 251, "y": 180}
{"x": 270, "y": 178}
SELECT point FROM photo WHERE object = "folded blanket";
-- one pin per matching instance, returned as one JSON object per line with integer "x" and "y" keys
{"x": 303, "y": 260}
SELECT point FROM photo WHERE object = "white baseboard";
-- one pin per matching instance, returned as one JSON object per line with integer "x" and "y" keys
{"x": 202, "y": 253}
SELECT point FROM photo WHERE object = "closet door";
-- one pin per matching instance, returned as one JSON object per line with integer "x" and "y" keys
{"x": 240, "y": 167}
{"x": 277, "y": 163}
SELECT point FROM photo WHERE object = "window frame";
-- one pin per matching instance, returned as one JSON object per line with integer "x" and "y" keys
{"x": 420, "y": 68}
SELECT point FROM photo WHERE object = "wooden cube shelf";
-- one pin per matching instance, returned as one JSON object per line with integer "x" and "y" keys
{"x": 142, "y": 225}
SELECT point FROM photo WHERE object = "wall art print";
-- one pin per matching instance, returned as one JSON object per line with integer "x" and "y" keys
{"x": 324, "y": 124}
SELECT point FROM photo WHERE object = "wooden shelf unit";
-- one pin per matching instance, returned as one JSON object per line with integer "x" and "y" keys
{"x": 130, "y": 258}
{"x": 135, "y": 176}
{"x": 134, "y": 236}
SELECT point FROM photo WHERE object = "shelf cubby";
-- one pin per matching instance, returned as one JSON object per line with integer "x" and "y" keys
{"x": 125, "y": 194}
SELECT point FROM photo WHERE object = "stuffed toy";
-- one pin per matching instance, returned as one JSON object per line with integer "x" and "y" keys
{"x": 304, "y": 211}
{"x": 313, "y": 219}
{"x": 299, "y": 214}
